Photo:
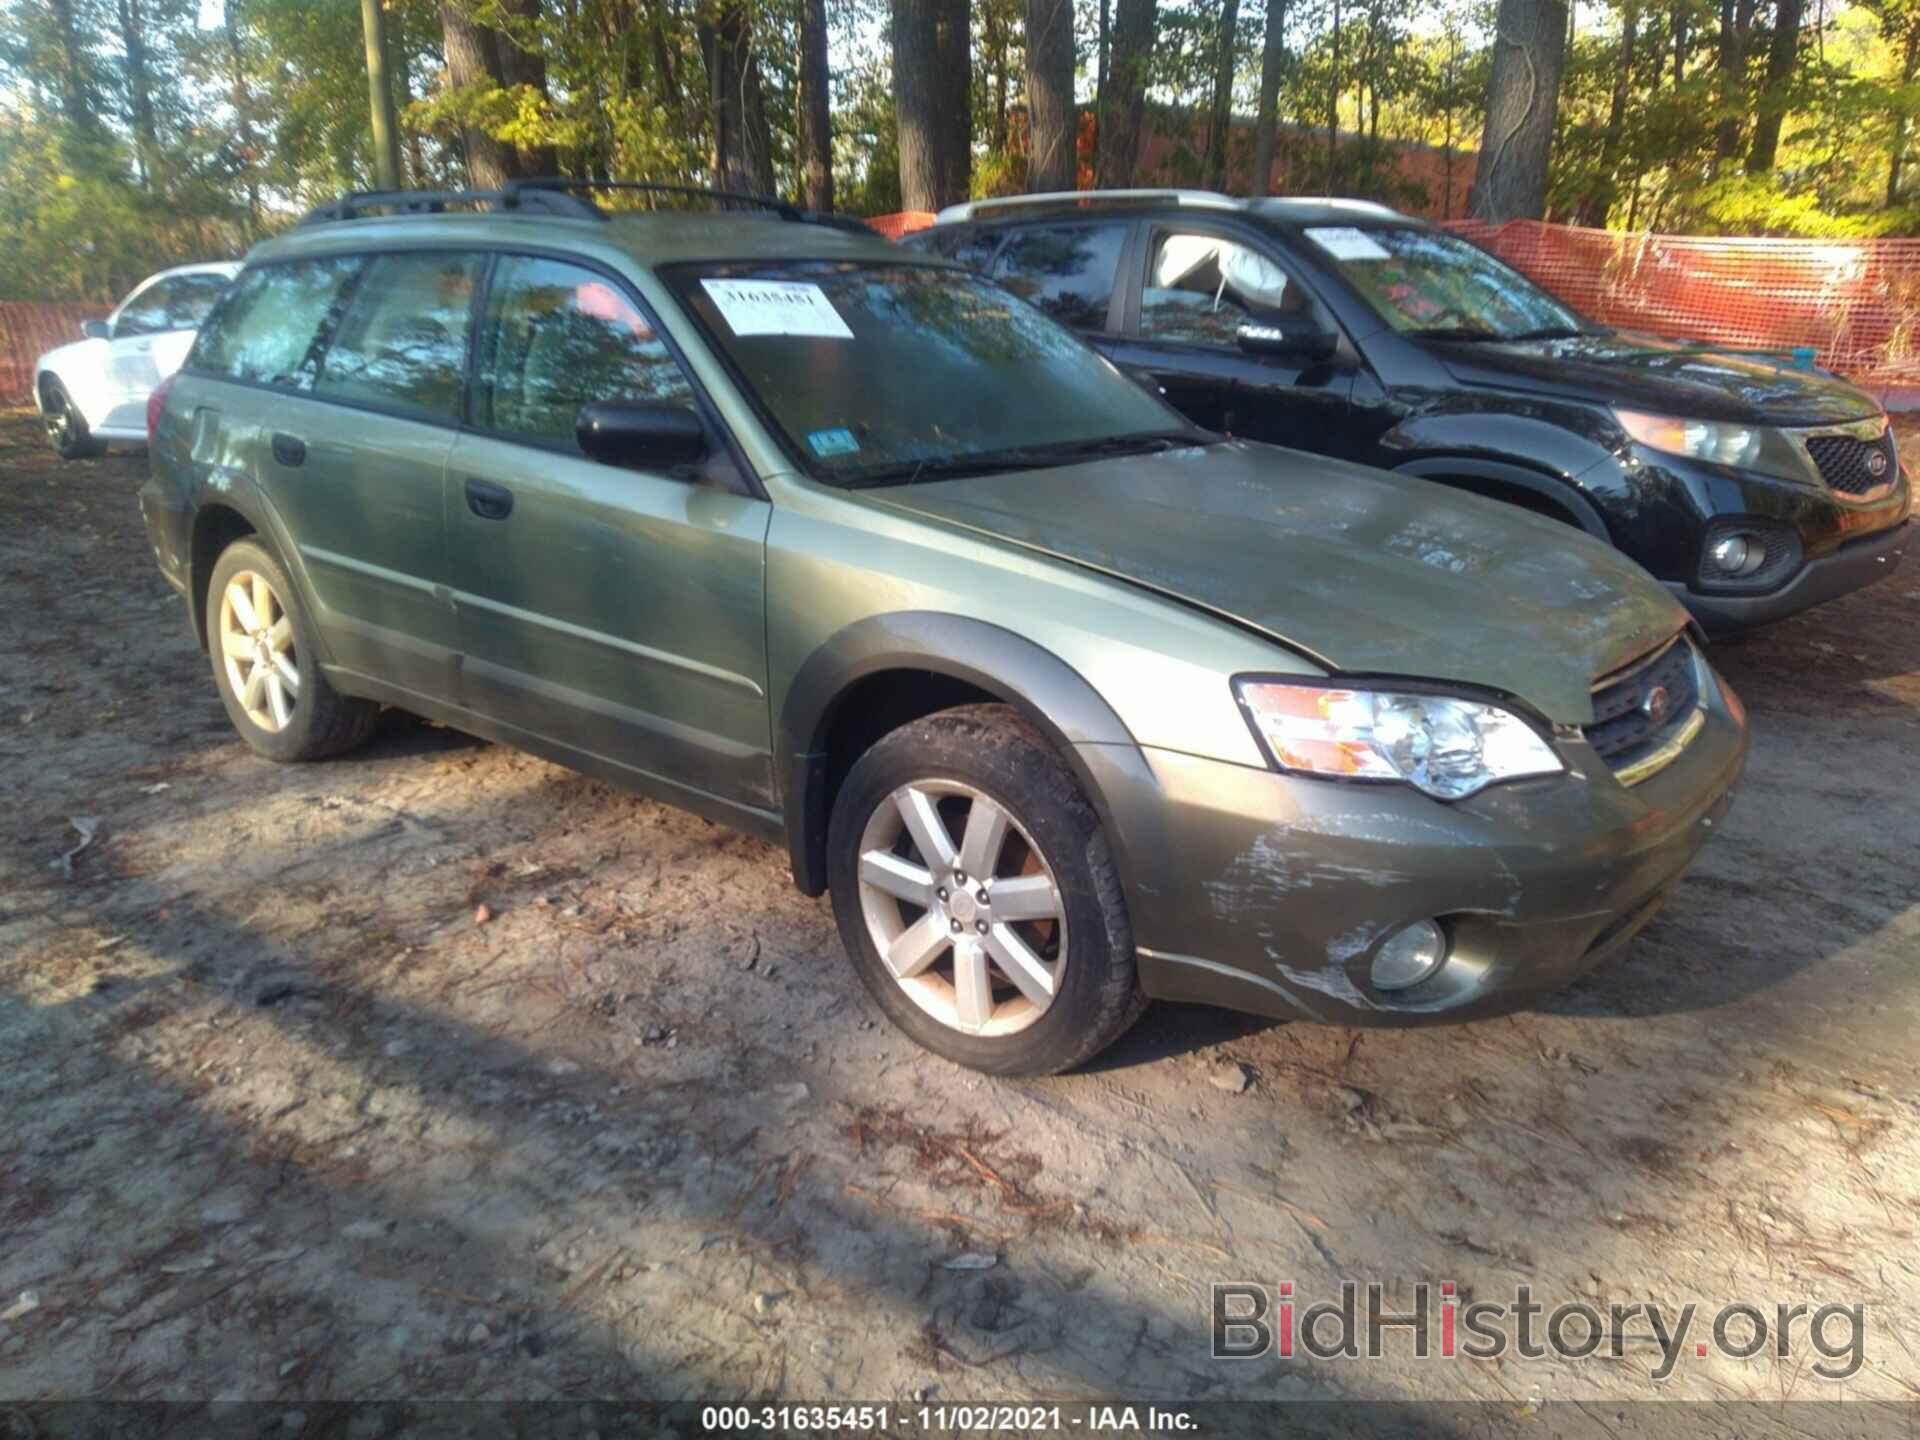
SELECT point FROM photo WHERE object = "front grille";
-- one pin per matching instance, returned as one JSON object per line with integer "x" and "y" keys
{"x": 1845, "y": 462}
{"x": 1627, "y": 726}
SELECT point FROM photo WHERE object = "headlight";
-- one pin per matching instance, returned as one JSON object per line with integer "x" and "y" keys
{"x": 1447, "y": 747}
{"x": 1744, "y": 447}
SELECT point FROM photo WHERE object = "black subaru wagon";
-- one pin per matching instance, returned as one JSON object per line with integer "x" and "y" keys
{"x": 1751, "y": 488}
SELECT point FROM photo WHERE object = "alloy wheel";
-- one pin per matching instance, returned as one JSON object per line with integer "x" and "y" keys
{"x": 974, "y": 930}
{"x": 256, "y": 643}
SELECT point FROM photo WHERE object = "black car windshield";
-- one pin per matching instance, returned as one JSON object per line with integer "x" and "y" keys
{"x": 1425, "y": 282}
{"x": 873, "y": 372}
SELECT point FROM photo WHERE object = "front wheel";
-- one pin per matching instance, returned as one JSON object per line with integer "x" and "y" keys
{"x": 66, "y": 427}
{"x": 978, "y": 897}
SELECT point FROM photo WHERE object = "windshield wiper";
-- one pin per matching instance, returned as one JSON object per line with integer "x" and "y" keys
{"x": 1471, "y": 333}
{"x": 1026, "y": 457}
{"x": 1146, "y": 442}
{"x": 1550, "y": 332}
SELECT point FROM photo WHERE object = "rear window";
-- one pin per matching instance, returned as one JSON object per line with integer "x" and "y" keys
{"x": 271, "y": 327}
{"x": 964, "y": 243}
{"x": 1065, "y": 271}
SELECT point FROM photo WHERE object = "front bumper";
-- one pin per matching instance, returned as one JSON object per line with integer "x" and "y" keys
{"x": 1269, "y": 893}
{"x": 1852, "y": 566}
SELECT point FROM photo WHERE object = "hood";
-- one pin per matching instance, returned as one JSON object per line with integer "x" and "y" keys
{"x": 1663, "y": 377}
{"x": 1365, "y": 572}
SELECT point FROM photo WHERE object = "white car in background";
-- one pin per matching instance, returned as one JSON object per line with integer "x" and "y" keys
{"x": 96, "y": 389}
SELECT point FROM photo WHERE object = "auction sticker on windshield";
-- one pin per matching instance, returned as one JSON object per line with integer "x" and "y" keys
{"x": 1343, "y": 242}
{"x": 776, "y": 307}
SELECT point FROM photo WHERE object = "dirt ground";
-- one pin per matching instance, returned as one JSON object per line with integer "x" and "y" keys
{"x": 441, "y": 1071}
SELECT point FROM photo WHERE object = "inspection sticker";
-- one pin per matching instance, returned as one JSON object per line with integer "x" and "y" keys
{"x": 1344, "y": 242}
{"x": 828, "y": 443}
{"x": 777, "y": 307}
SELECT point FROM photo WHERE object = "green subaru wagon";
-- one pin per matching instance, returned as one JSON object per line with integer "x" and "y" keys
{"x": 1067, "y": 704}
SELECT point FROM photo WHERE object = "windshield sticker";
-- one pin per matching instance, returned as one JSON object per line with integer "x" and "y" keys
{"x": 828, "y": 443}
{"x": 1343, "y": 242}
{"x": 777, "y": 307}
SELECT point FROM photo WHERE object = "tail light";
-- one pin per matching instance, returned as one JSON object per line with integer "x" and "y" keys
{"x": 157, "y": 402}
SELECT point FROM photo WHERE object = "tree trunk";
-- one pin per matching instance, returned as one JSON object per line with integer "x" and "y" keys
{"x": 1773, "y": 100}
{"x": 72, "y": 77}
{"x": 1333, "y": 105}
{"x": 1220, "y": 121}
{"x": 471, "y": 61}
{"x": 816, "y": 109}
{"x": 1099, "y": 86}
{"x": 1736, "y": 18}
{"x": 1051, "y": 161}
{"x": 241, "y": 100}
{"x": 1896, "y": 152}
{"x": 133, "y": 43}
{"x": 1596, "y": 204}
{"x": 1273, "y": 66}
{"x": 1523, "y": 92}
{"x": 1126, "y": 100}
{"x": 523, "y": 61}
{"x": 740, "y": 155}
{"x": 382, "y": 120}
{"x": 932, "y": 78}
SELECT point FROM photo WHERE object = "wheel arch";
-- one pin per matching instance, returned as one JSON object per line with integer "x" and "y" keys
{"x": 883, "y": 672}
{"x": 1531, "y": 489}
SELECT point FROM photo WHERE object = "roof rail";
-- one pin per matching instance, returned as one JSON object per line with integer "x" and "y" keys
{"x": 553, "y": 195}
{"x": 1090, "y": 199}
{"x": 1339, "y": 202}
{"x": 355, "y": 204}
{"x": 558, "y": 184}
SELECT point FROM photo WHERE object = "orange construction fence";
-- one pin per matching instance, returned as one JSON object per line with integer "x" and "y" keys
{"x": 1852, "y": 305}
{"x": 28, "y": 329}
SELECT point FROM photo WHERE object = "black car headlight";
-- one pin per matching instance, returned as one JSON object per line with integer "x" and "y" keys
{"x": 1759, "y": 448}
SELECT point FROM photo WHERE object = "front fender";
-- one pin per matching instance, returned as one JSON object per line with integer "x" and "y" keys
{"x": 1551, "y": 447}
{"x": 1053, "y": 696}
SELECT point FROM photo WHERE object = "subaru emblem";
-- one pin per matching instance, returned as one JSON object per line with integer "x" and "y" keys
{"x": 1656, "y": 705}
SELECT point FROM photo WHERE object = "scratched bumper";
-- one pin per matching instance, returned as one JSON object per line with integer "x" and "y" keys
{"x": 1269, "y": 893}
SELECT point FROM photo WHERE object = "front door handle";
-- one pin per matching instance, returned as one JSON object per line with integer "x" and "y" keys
{"x": 489, "y": 501}
{"x": 289, "y": 450}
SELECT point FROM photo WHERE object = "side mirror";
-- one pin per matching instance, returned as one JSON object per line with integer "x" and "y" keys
{"x": 636, "y": 434}
{"x": 95, "y": 330}
{"x": 1296, "y": 342}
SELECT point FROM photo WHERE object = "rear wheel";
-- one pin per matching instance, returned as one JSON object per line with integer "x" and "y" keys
{"x": 265, "y": 661}
{"x": 66, "y": 427}
{"x": 978, "y": 896}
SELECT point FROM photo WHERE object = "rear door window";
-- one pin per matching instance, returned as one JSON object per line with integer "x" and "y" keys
{"x": 1067, "y": 271}
{"x": 272, "y": 326}
{"x": 557, "y": 337}
{"x": 402, "y": 343}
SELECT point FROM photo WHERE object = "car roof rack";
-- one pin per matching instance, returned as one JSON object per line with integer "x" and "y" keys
{"x": 1089, "y": 199}
{"x": 554, "y": 195}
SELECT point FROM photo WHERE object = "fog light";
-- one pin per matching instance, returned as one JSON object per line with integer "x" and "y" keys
{"x": 1730, "y": 553}
{"x": 1409, "y": 956}
{"x": 1737, "y": 554}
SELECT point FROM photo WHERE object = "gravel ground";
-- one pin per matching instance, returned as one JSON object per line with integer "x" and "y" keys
{"x": 440, "y": 1071}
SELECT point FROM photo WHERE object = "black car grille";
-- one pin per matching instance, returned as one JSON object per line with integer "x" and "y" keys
{"x": 1846, "y": 463}
{"x": 1625, "y": 726}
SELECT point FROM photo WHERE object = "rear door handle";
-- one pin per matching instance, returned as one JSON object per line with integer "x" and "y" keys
{"x": 289, "y": 450}
{"x": 489, "y": 501}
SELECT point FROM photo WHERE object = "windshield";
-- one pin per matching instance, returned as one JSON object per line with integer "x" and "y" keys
{"x": 1423, "y": 282}
{"x": 874, "y": 372}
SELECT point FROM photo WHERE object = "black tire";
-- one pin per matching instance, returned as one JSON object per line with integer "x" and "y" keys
{"x": 995, "y": 752}
{"x": 66, "y": 427}
{"x": 323, "y": 721}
